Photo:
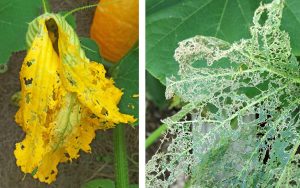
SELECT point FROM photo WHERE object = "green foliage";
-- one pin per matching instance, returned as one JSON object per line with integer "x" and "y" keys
{"x": 103, "y": 183}
{"x": 155, "y": 91}
{"x": 291, "y": 23}
{"x": 91, "y": 49}
{"x": 99, "y": 183}
{"x": 15, "y": 14}
{"x": 169, "y": 22}
{"x": 126, "y": 77}
{"x": 233, "y": 137}
{"x": 70, "y": 19}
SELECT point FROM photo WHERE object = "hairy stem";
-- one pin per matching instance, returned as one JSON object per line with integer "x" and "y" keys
{"x": 121, "y": 164}
{"x": 79, "y": 9}
{"x": 89, "y": 6}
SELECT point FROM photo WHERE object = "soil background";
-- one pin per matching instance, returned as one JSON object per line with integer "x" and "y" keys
{"x": 98, "y": 164}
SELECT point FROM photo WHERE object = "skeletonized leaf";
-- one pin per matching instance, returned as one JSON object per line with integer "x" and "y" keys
{"x": 233, "y": 138}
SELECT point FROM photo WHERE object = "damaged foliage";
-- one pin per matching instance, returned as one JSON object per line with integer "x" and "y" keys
{"x": 244, "y": 129}
{"x": 65, "y": 99}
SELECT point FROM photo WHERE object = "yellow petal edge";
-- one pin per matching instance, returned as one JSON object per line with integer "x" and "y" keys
{"x": 65, "y": 98}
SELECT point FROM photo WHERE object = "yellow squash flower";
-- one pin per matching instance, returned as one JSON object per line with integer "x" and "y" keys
{"x": 65, "y": 98}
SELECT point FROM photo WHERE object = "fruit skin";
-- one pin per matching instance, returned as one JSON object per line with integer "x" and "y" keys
{"x": 115, "y": 27}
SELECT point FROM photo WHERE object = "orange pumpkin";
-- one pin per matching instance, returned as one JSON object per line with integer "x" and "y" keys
{"x": 115, "y": 27}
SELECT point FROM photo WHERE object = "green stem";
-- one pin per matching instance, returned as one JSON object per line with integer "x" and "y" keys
{"x": 46, "y": 6}
{"x": 121, "y": 163}
{"x": 89, "y": 6}
{"x": 79, "y": 9}
{"x": 163, "y": 128}
{"x": 155, "y": 135}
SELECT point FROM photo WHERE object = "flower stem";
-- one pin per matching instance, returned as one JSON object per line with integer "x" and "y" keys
{"x": 120, "y": 153}
{"x": 79, "y": 9}
{"x": 46, "y": 6}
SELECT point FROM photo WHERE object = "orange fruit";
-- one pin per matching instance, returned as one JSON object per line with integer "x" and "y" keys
{"x": 115, "y": 27}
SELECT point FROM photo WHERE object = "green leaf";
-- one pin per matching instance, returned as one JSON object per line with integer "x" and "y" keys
{"x": 155, "y": 91}
{"x": 92, "y": 51}
{"x": 154, "y": 5}
{"x": 291, "y": 23}
{"x": 99, "y": 183}
{"x": 167, "y": 24}
{"x": 133, "y": 186}
{"x": 14, "y": 16}
{"x": 228, "y": 20}
{"x": 70, "y": 19}
{"x": 126, "y": 77}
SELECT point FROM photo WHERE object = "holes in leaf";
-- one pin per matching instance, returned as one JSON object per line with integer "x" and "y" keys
{"x": 93, "y": 116}
{"x": 67, "y": 155}
{"x": 72, "y": 82}
{"x": 293, "y": 162}
{"x": 28, "y": 63}
{"x": 263, "y": 18}
{"x": 104, "y": 111}
{"x": 28, "y": 81}
{"x": 212, "y": 108}
{"x": 298, "y": 150}
{"x": 289, "y": 147}
{"x": 52, "y": 172}
{"x": 293, "y": 183}
{"x": 260, "y": 134}
{"x": 267, "y": 156}
{"x": 93, "y": 73}
{"x": 22, "y": 147}
{"x": 249, "y": 91}
{"x": 34, "y": 171}
{"x": 234, "y": 124}
{"x": 263, "y": 124}
{"x": 54, "y": 95}
{"x": 228, "y": 100}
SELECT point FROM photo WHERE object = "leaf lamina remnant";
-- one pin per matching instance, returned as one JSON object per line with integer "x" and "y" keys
{"x": 244, "y": 127}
